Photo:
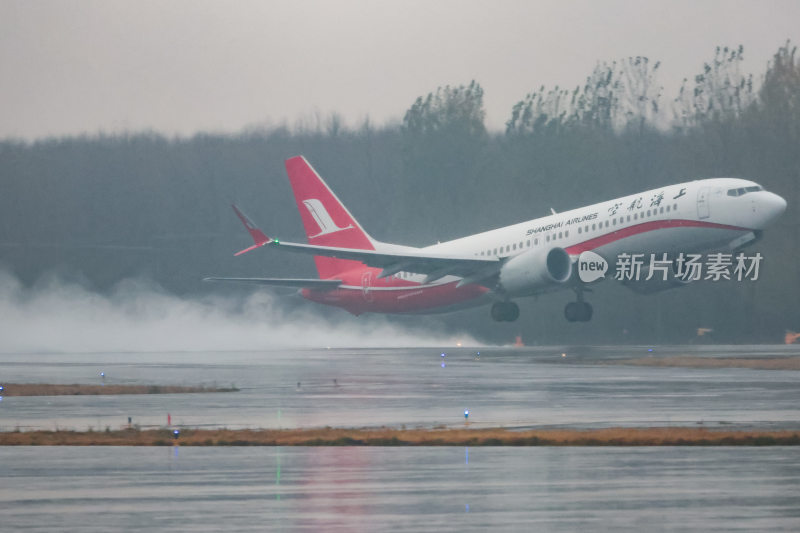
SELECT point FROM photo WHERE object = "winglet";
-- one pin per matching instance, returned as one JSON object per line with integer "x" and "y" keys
{"x": 259, "y": 238}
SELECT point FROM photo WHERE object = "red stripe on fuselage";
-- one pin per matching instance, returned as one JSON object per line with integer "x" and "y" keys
{"x": 644, "y": 227}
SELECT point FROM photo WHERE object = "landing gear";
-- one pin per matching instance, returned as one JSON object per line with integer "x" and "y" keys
{"x": 579, "y": 311}
{"x": 505, "y": 311}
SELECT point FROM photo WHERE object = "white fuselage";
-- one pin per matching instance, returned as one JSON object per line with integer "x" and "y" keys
{"x": 694, "y": 216}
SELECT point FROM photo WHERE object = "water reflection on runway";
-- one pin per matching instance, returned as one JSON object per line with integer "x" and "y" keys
{"x": 399, "y": 489}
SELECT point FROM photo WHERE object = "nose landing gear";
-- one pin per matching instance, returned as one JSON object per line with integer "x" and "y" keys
{"x": 579, "y": 311}
{"x": 505, "y": 311}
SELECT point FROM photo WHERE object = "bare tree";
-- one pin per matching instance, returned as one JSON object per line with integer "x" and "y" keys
{"x": 615, "y": 96}
{"x": 720, "y": 91}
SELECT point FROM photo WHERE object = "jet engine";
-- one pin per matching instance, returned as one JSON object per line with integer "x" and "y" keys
{"x": 533, "y": 270}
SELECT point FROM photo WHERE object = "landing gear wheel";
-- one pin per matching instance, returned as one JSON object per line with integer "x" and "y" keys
{"x": 571, "y": 312}
{"x": 497, "y": 312}
{"x": 505, "y": 311}
{"x": 578, "y": 312}
{"x": 512, "y": 312}
{"x": 587, "y": 311}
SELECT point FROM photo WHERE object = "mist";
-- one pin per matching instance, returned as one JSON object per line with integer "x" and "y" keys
{"x": 137, "y": 315}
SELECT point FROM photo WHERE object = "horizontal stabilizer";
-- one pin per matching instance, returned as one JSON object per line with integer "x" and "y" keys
{"x": 297, "y": 283}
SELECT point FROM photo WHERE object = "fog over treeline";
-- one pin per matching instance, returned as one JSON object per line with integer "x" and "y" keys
{"x": 105, "y": 208}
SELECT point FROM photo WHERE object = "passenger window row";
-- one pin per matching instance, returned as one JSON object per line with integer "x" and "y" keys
{"x": 585, "y": 229}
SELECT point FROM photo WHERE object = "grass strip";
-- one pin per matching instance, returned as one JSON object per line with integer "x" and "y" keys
{"x": 75, "y": 389}
{"x": 659, "y": 436}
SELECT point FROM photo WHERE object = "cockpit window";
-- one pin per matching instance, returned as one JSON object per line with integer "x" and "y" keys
{"x": 744, "y": 190}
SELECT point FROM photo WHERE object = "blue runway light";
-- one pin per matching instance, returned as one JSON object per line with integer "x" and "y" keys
{"x": 466, "y": 413}
{"x": 443, "y": 365}
{"x": 649, "y": 349}
{"x": 2, "y": 388}
{"x": 176, "y": 433}
{"x": 444, "y": 354}
{"x": 102, "y": 374}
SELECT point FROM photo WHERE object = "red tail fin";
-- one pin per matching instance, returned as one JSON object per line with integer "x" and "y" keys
{"x": 326, "y": 220}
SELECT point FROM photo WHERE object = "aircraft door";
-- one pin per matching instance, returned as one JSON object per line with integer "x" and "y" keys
{"x": 366, "y": 285}
{"x": 703, "y": 196}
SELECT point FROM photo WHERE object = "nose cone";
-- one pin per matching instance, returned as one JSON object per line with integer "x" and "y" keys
{"x": 775, "y": 204}
{"x": 780, "y": 204}
{"x": 771, "y": 206}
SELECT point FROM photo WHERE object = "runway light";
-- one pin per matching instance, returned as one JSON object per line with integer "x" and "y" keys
{"x": 176, "y": 433}
{"x": 466, "y": 413}
{"x": 444, "y": 354}
{"x": 443, "y": 365}
{"x": 563, "y": 355}
{"x": 649, "y": 349}
{"x": 2, "y": 388}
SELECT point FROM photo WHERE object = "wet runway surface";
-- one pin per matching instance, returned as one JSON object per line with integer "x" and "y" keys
{"x": 404, "y": 489}
{"x": 526, "y": 388}
{"x": 399, "y": 489}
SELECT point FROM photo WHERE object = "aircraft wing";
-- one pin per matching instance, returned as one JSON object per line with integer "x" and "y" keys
{"x": 436, "y": 266}
{"x": 320, "y": 284}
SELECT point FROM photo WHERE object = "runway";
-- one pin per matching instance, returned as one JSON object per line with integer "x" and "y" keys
{"x": 345, "y": 489}
{"x": 405, "y": 489}
{"x": 502, "y": 387}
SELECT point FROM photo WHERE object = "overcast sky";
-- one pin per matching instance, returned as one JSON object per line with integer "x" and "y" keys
{"x": 185, "y": 66}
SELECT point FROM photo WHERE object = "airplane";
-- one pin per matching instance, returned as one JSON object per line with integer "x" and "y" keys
{"x": 363, "y": 275}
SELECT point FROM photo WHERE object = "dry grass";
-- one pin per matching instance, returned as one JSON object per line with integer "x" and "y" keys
{"x": 668, "y": 436}
{"x": 777, "y": 363}
{"x": 45, "y": 389}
